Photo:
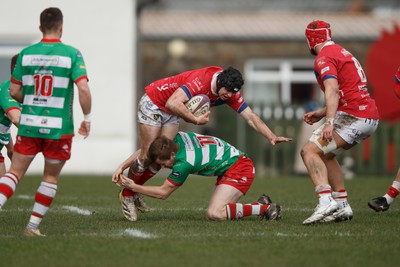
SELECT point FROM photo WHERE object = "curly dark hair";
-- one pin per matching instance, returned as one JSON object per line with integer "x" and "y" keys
{"x": 231, "y": 79}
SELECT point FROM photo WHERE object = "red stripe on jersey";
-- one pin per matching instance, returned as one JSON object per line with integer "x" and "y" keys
{"x": 44, "y": 200}
{"x": 80, "y": 78}
{"x": 13, "y": 80}
{"x": 172, "y": 182}
{"x": 11, "y": 108}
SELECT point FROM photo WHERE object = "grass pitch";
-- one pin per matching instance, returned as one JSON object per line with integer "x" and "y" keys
{"x": 85, "y": 227}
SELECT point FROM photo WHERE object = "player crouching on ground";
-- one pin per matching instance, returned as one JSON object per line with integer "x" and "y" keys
{"x": 191, "y": 153}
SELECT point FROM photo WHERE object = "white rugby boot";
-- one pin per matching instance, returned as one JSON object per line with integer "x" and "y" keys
{"x": 28, "y": 232}
{"x": 340, "y": 215}
{"x": 321, "y": 211}
{"x": 128, "y": 207}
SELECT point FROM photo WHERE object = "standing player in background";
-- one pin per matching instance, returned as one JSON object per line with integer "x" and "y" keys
{"x": 163, "y": 105}
{"x": 43, "y": 80}
{"x": 10, "y": 112}
{"x": 191, "y": 153}
{"x": 383, "y": 203}
{"x": 350, "y": 117}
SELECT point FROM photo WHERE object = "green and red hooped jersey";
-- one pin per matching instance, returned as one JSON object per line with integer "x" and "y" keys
{"x": 201, "y": 154}
{"x": 47, "y": 72}
{"x": 7, "y": 103}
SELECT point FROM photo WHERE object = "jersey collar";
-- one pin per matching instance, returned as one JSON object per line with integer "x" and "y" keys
{"x": 214, "y": 83}
{"x": 44, "y": 40}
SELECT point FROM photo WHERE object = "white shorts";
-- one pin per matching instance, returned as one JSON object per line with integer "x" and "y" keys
{"x": 350, "y": 128}
{"x": 150, "y": 114}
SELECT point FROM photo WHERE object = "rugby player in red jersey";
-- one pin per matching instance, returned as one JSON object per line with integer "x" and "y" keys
{"x": 350, "y": 117}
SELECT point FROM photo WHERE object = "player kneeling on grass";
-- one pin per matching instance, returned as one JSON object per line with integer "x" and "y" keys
{"x": 191, "y": 153}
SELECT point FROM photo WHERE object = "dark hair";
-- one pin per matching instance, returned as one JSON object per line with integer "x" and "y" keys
{"x": 50, "y": 19}
{"x": 231, "y": 79}
{"x": 161, "y": 148}
{"x": 13, "y": 62}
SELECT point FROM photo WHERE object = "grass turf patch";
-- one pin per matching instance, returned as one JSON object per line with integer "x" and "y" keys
{"x": 85, "y": 227}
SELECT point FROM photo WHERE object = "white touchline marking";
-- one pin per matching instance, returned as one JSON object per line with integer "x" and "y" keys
{"x": 77, "y": 210}
{"x": 137, "y": 233}
{"x": 24, "y": 196}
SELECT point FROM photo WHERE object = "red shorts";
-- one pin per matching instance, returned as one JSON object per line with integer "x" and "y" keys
{"x": 240, "y": 175}
{"x": 1, "y": 158}
{"x": 50, "y": 148}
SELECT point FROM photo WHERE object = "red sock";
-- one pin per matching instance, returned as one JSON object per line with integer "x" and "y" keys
{"x": 144, "y": 176}
{"x": 393, "y": 192}
{"x": 235, "y": 211}
{"x": 139, "y": 178}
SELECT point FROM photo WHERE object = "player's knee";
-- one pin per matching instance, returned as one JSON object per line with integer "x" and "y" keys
{"x": 215, "y": 215}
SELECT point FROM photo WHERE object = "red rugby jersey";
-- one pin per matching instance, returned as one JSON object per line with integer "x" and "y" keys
{"x": 334, "y": 61}
{"x": 193, "y": 82}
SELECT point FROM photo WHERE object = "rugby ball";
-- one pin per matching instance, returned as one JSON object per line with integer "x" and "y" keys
{"x": 198, "y": 105}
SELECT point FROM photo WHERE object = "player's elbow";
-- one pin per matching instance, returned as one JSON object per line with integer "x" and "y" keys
{"x": 170, "y": 105}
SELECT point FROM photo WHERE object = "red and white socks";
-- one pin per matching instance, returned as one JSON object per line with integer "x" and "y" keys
{"x": 340, "y": 197}
{"x": 140, "y": 178}
{"x": 8, "y": 183}
{"x": 235, "y": 211}
{"x": 44, "y": 197}
{"x": 324, "y": 193}
{"x": 392, "y": 193}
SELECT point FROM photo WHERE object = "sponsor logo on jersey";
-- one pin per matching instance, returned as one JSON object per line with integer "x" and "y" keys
{"x": 44, "y": 121}
{"x": 197, "y": 83}
{"x": 39, "y": 101}
{"x": 44, "y": 131}
{"x": 232, "y": 180}
{"x": 44, "y": 60}
{"x": 345, "y": 53}
{"x": 321, "y": 61}
{"x": 176, "y": 174}
{"x": 325, "y": 70}
{"x": 243, "y": 180}
{"x": 240, "y": 100}
{"x": 362, "y": 107}
{"x": 163, "y": 87}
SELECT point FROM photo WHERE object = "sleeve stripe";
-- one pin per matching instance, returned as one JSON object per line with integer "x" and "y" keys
{"x": 187, "y": 91}
{"x": 172, "y": 182}
{"x": 329, "y": 77}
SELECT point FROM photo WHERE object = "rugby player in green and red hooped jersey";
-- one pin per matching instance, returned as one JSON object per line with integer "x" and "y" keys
{"x": 191, "y": 153}
{"x": 161, "y": 108}
{"x": 43, "y": 81}
{"x": 10, "y": 112}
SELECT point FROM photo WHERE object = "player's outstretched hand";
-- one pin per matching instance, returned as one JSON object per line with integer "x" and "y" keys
{"x": 280, "y": 139}
{"x": 84, "y": 129}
